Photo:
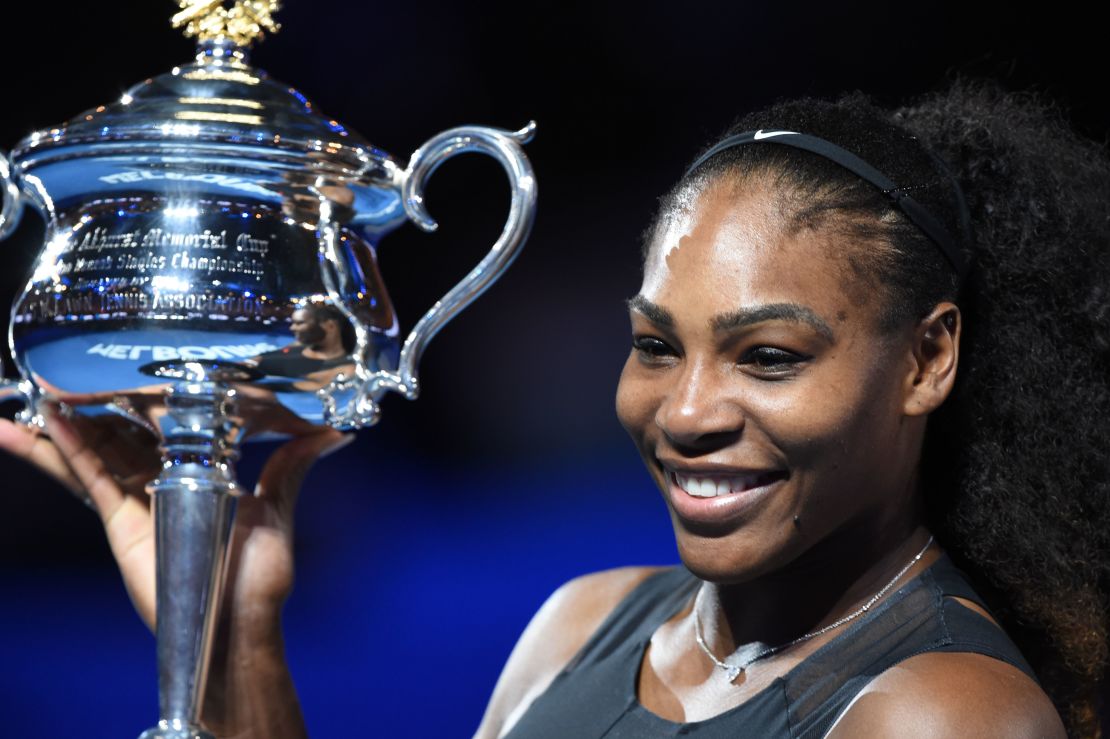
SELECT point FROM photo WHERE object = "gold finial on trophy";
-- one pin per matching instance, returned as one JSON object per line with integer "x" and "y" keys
{"x": 241, "y": 24}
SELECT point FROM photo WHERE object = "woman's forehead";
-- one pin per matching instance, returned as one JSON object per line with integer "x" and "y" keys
{"x": 704, "y": 209}
{"x": 735, "y": 244}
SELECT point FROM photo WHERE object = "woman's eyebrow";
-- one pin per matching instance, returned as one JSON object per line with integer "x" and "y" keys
{"x": 656, "y": 314}
{"x": 739, "y": 318}
{"x": 772, "y": 312}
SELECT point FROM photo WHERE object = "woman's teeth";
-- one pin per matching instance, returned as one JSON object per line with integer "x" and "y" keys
{"x": 710, "y": 487}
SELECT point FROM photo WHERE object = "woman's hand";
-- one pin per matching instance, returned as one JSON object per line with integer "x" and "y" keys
{"x": 108, "y": 460}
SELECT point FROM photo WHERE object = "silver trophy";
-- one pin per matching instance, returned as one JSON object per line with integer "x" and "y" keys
{"x": 209, "y": 272}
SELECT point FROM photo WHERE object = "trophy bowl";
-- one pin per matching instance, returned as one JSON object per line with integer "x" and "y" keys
{"x": 209, "y": 272}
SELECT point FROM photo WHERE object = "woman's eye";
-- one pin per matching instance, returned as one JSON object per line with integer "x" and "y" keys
{"x": 651, "y": 348}
{"x": 769, "y": 360}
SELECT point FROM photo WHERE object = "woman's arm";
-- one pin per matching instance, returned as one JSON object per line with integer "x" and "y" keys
{"x": 250, "y": 691}
{"x": 558, "y": 630}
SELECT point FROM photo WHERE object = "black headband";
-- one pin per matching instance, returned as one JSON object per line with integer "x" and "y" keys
{"x": 913, "y": 210}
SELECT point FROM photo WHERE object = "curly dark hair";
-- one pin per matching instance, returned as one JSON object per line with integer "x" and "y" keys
{"x": 1015, "y": 466}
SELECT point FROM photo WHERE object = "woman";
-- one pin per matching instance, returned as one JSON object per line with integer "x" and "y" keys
{"x": 803, "y": 320}
{"x": 830, "y": 396}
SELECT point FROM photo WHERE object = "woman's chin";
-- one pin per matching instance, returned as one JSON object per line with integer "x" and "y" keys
{"x": 732, "y": 559}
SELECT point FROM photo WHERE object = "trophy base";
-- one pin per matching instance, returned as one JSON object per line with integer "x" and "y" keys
{"x": 176, "y": 729}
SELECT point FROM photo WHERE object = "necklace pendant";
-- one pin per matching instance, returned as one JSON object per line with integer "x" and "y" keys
{"x": 734, "y": 672}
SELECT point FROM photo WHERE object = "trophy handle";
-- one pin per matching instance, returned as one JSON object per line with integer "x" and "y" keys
{"x": 505, "y": 147}
{"x": 23, "y": 391}
{"x": 11, "y": 208}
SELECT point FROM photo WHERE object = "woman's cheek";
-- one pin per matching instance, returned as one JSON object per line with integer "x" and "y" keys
{"x": 630, "y": 403}
{"x": 808, "y": 423}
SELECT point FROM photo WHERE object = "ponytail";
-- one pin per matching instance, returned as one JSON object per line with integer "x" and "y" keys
{"x": 1016, "y": 462}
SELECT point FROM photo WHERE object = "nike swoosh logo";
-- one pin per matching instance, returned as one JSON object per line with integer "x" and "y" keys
{"x": 761, "y": 134}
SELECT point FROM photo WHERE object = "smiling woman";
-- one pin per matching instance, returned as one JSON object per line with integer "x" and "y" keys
{"x": 739, "y": 386}
{"x": 836, "y": 407}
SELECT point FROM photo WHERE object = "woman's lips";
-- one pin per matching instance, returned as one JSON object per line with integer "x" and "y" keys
{"x": 717, "y": 497}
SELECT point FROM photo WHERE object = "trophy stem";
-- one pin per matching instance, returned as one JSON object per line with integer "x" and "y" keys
{"x": 193, "y": 509}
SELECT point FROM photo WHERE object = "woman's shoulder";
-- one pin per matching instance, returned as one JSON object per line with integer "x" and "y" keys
{"x": 561, "y": 627}
{"x": 942, "y": 694}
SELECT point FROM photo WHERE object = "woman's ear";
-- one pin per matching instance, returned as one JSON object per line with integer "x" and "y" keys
{"x": 936, "y": 354}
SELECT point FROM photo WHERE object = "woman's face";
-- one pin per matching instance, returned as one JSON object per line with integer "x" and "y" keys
{"x": 761, "y": 392}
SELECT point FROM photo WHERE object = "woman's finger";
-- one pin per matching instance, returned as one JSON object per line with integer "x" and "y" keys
{"x": 32, "y": 446}
{"x": 286, "y": 468}
{"x": 126, "y": 518}
{"x": 85, "y": 463}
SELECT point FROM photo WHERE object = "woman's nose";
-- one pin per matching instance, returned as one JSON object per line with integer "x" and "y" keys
{"x": 701, "y": 408}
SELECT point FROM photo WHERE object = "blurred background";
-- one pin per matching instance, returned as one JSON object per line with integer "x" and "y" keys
{"x": 425, "y": 547}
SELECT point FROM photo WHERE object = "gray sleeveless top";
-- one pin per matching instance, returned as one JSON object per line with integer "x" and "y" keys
{"x": 595, "y": 695}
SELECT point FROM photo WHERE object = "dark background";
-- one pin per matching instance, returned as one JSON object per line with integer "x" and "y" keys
{"x": 425, "y": 546}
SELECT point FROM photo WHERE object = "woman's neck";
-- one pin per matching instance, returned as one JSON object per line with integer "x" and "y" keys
{"x": 831, "y": 580}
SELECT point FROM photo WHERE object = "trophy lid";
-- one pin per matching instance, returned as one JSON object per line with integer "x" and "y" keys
{"x": 218, "y": 112}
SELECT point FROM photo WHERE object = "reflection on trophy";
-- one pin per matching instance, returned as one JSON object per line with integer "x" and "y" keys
{"x": 323, "y": 343}
{"x": 209, "y": 272}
